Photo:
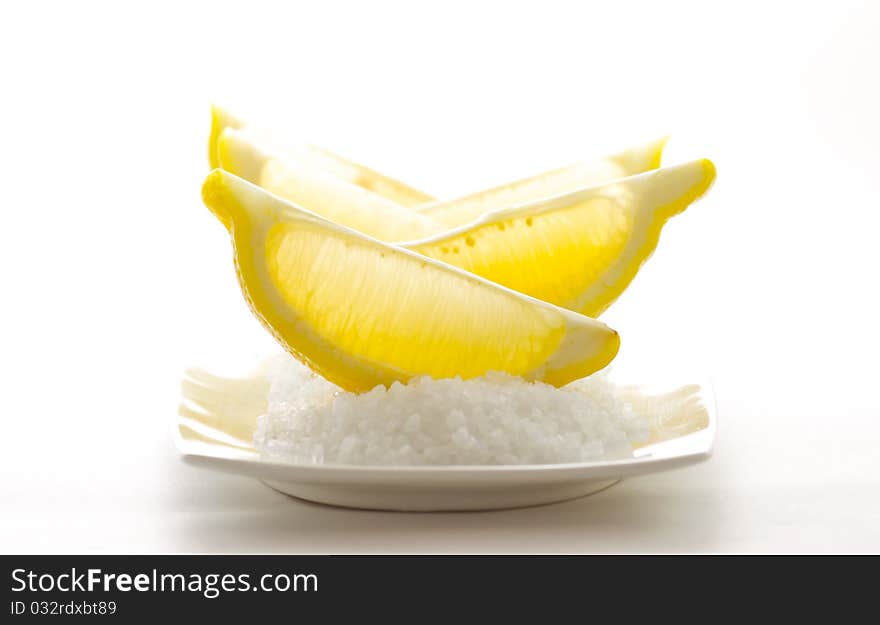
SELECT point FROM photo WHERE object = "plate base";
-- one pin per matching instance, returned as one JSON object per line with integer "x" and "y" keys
{"x": 400, "y": 498}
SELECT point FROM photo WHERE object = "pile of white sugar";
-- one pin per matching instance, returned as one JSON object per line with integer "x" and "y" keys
{"x": 495, "y": 419}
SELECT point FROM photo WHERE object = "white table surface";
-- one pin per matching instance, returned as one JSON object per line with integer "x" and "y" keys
{"x": 115, "y": 277}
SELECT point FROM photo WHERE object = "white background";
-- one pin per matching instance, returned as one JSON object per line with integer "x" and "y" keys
{"x": 115, "y": 276}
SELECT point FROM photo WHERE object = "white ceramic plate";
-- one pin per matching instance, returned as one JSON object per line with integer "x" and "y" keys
{"x": 217, "y": 416}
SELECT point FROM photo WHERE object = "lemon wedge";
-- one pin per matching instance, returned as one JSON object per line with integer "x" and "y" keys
{"x": 221, "y": 119}
{"x": 579, "y": 250}
{"x": 548, "y": 184}
{"x": 361, "y": 312}
{"x": 300, "y": 180}
{"x": 319, "y": 158}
